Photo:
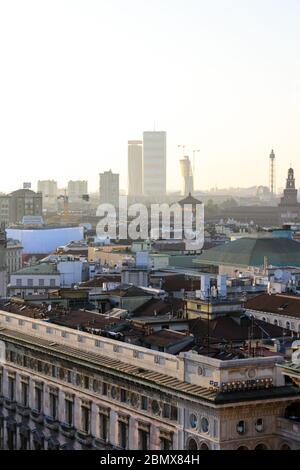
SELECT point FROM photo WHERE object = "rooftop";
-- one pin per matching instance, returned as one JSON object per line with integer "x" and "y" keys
{"x": 128, "y": 290}
{"x": 146, "y": 375}
{"x": 254, "y": 252}
{"x": 281, "y": 304}
{"x": 38, "y": 269}
{"x": 226, "y": 329}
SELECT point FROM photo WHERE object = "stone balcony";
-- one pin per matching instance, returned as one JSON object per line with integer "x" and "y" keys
{"x": 10, "y": 404}
{"x": 67, "y": 430}
{"x": 51, "y": 423}
{"x": 23, "y": 410}
{"x": 100, "y": 444}
{"x": 84, "y": 438}
{"x": 289, "y": 428}
{"x": 37, "y": 416}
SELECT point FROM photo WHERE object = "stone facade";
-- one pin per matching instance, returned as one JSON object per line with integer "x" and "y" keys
{"x": 65, "y": 389}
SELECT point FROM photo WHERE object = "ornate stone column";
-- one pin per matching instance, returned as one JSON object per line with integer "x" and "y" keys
{"x": 113, "y": 427}
{"x": 154, "y": 437}
{"x": 133, "y": 433}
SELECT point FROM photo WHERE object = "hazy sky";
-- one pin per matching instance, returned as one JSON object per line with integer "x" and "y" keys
{"x": 79, "y": 78}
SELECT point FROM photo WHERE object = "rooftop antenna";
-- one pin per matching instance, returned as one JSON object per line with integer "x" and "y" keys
{"x": 272, "y": 174}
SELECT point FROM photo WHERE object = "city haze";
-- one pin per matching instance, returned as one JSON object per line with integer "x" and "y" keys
{"x": 80, "y": 79}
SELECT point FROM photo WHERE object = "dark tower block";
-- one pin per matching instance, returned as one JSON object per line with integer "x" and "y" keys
{"x": 290, "y": 193}
{"x": 3, "y": 266}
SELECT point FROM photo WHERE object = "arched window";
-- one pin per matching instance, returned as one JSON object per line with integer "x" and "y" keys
{"x": 263, "y": 318}
{"x": 204, "y": 446}
{"x": 275, "y": 322}
{"x": 192, "y": 445}
{"x": 288, "y": 325}
{"x": 242, "y": 448}
{"x": 285, "y": 447}
{"x": 261, "y": 447}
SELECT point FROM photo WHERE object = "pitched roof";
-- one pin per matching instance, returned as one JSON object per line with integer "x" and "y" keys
{"x": 99, "y": 280}
{"x": 164, "y": 338}
{"x": 38, "y": 269}
{"x": 226, "y": 328}
{"x": 158, "y": 307}
{"x": 125, "y": 290}
{"x": 189, "y": 200}
{"x": 253, "y": 252}
{"x": 281, "y": 304}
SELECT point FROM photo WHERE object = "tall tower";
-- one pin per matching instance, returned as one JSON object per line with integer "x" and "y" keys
{"x": 290, "y": 194}
{"x": 187, "y": 175}
{"x": 154, "y": 163}
{"x": 135, "y": 167}
{"x": 3, "y": 264}
{"x": 109, "y": 188}
{"x": 272, "y": 174}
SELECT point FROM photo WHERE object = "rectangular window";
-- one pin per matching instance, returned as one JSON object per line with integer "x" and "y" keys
{"x": 85, "y": 419}
{"x": 19, "y": 282}
{"x": 30, "y": 282}
{"x": 86, "y": 382}
{"x": 123, "y": 395}
{"x": 69, "y": 376}
{"x": 103, "y": 426}
{"x": 174, "y": 413}
{"x": 38, "y": 399}
{"x": 69, "y": 412}
{"x": 52, "y": 283}
{"x": 143, "y": 439}
{"x": 144, "y": 403}
{"x": 11, "y": 388}
{"x": 166, "y": 411}
{"x": 165, "y": 444}
{"x": 24, "y": 394}
{"x": 104, "y": 388}
{"x": 53, "y": 405}
{"x": 123, "y": 435}
{"x": 41, "y": 282}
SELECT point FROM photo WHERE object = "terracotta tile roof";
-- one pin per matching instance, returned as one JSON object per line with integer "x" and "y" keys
{"x": 160, "y": 307}
{"x": 281, "y": 304}
{"x": 226, "y": 328}
{"x": 164, "y": 338}
{"x": 99, "y": 280}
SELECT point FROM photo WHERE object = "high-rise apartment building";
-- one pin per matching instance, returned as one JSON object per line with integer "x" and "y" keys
{"x": 76, "y": 189}
{"x": 135, "y": 167}
{"x": 154, "y": 163}
{"x": 24, "y": 202}
{"x": 48, "y": 188}
{"x": 109, "y": 188}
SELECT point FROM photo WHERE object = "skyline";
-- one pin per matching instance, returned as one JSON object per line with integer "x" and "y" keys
{"x": 82, "y": 78}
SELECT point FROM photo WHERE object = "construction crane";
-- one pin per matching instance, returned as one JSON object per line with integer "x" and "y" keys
{"x": 65, "y": 198}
